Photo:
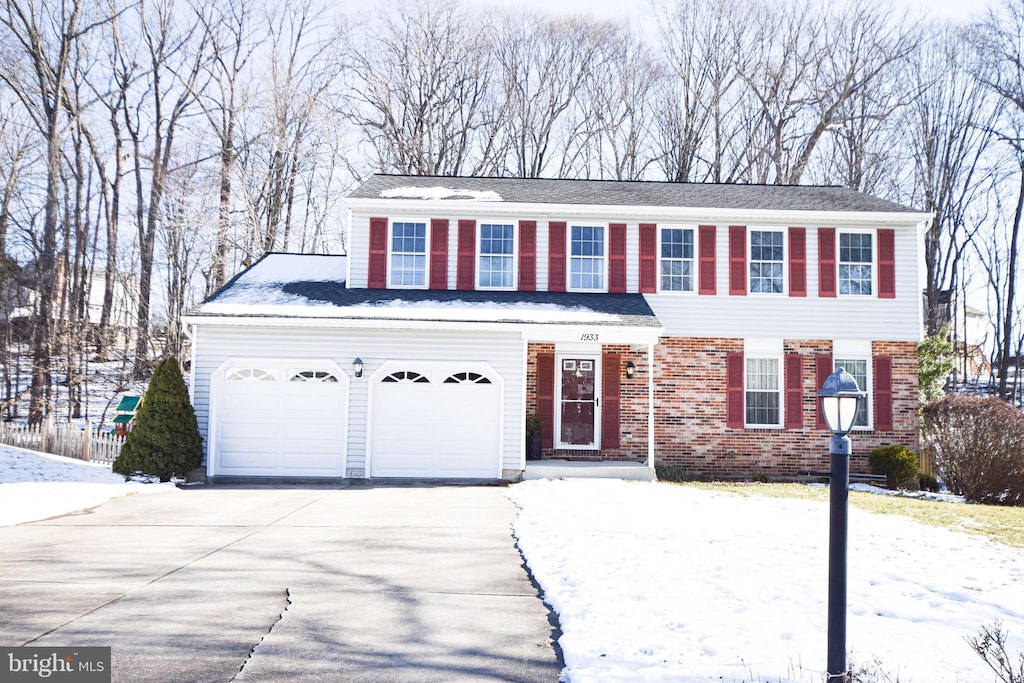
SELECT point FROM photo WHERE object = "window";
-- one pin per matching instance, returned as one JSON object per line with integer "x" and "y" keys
{"x": 496, "y": 254}
{"x": 467, "y": 378}
{"x": 586, "y": 257}
{"x": 250, "y": 375}
{"x": 859, "y": 369}
{"x": 409, "y": 254}
{"x": 406, "y": 377}
{"x": 762, "y": 396}
{"x": 766, "y": 259}
{"x": 676, "y": 260}
{"x": 313, "y": 376}
{"x": 856, "y": 259}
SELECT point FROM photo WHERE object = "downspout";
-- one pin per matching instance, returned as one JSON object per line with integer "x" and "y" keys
{"x": 650, "y": 406}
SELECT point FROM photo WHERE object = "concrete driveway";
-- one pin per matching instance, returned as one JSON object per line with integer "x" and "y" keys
{"x": 284, "y": 584}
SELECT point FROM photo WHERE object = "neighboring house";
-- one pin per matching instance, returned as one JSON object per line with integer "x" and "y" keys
{"x": 679, "y": 324}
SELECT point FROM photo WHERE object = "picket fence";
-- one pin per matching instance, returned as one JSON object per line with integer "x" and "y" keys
{"x": 69, "y": 440}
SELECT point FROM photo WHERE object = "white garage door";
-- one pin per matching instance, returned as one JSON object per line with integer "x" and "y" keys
{"x": 440, "y": 422}
{"x": 280, "y": 419}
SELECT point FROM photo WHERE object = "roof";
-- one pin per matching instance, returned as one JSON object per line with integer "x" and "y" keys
{"x": 123, "y": 419}
{"x": 624, "y": 193}
{"x": 305, "y": 286}
{"x": 128, "y": 404}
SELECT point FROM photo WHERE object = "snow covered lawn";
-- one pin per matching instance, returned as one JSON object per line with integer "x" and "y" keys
{"x": 37, "y": 486}
{"x": 658, "y": 582}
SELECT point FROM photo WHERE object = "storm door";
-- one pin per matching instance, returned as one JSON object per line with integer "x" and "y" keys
{"x": 578, "y": 402}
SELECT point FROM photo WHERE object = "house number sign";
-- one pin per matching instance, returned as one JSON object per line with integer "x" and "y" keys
{"x": 589, "y": 336}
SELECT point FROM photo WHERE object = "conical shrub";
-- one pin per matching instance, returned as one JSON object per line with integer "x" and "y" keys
{"x": 165, "y": 440}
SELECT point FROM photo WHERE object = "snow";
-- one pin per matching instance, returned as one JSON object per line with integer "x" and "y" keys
{"x": 439, "y": 192}
{"x": 281, "y": 268}
{"x": 37, "y": 486}
{"x": 658, "y": 582}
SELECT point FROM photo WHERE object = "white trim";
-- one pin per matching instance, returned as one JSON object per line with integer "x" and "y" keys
{"x": 650, "y": 406}
{"x": 780, "y": 390}
{"x": 604, "y": 226}
{"x": 695, "y": 260}
{"x": 426, "y": 252}
{"x": 874, "y": 262}
{"x": 785, "y": 260}
{"x": 596, "y": 358}
{"x": 859, "y": 350}
{"x": 478, "y": 254}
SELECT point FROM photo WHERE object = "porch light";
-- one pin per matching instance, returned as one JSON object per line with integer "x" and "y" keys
{"x": 840, "y": 397}
{"x": 630, "y": 369}
{"x": 357, "y": 367}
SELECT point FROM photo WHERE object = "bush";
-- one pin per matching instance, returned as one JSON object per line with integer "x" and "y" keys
{"x": 927, "y": 482}
{"x": 979, "y": 447}
{"x": 165, "y": 440}
{"x": 672, "y": 473}
{"x": 897, "y": 463}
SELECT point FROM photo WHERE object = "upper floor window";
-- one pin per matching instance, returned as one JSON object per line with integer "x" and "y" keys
{"x": 676, "y": 260}
{"x": 763, "y": 392}
{"x": 586, "y": 257}
{"x": 496, "y": 257}
{"x": 766, "y": 262}
{"x": 856, "y": 263}
{"x": 408, "y": 254}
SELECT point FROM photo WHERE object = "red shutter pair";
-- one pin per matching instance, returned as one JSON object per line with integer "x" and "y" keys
{"x": 649, "y": 258}
{"x": 610, "y": 384}
{"x": 735, "y": 403}
{"x": 827, "y": 260}
{"x": 882, "y": 398}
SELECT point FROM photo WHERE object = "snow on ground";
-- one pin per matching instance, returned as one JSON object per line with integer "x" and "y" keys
{"x": 657, "y": 582}
{"x": 37, "y": 486}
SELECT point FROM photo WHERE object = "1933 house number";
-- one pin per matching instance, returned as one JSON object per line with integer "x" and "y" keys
{"x": 589, "y": 336}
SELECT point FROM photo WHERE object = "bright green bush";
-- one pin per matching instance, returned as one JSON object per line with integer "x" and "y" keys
{"x": 165, "y": 440}
{"x": 897, "y": 463}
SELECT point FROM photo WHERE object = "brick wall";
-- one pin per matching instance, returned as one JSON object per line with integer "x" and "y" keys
{"x": 689, "y": 398}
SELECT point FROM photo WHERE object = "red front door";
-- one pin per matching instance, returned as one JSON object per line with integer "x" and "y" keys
{"x": 578, "y": 403}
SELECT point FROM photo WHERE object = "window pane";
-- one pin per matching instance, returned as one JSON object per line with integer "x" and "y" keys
{"x": 409, "y": 254}
{"x": 762, "y": 396}
{"x": 766, "y": 259}
{"x": 496, "y": 255}
{"x": 586, "y": 257}
{"x": 855, "y": 264}
{"x": 859, "y": 369}
{"x": 676, "y": 260}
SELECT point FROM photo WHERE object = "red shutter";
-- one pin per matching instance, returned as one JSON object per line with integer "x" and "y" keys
{"x": 648, "y": 258}
{"x": 439, "y": 253}
{"x": 826, "y": 262}
{"x": 797, "y": 262}
{"x": 886, "y": 264}
{"x": 822, "y": 369}
{"x": 883, "y": 393}
{"x": 734, "y": 402}
{"x": 556, "y": 256}
{"x": 617, "y": 258}
{"x": 737, "y": 260}
{"x": 546, "y": 398}
{"x": 377, "y": 277}
{"x": 466, "y": 270}
{"x": 794, "y": 391}
{"x": 610, "y": 396}
{"x": 527, "y": 256}
{"x": 706, "y": 252}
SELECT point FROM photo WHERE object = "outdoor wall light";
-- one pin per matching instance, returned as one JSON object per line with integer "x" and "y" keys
{"x": 840, "y": 397}
{"x": 357, "y": 367}
{"x": 630, "y": 369}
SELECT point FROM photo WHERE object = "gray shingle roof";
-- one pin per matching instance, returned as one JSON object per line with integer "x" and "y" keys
{"x": 636, "y": 193}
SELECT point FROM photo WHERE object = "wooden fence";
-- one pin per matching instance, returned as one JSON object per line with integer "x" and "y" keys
{"x": 926, "y": 461}
{"x": 63, "y": 439}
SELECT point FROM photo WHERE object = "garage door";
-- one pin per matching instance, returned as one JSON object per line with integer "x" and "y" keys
{"x": 440, "y": 422}
{"x": 280, "y": 419}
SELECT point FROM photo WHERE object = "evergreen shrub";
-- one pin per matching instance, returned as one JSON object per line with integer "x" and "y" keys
{"x": 897, "y": 463}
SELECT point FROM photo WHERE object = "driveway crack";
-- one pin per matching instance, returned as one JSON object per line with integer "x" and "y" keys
{"x": 287, "y": 603}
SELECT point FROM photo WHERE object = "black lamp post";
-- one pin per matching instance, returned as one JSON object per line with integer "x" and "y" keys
{"x": 840, "y": 398}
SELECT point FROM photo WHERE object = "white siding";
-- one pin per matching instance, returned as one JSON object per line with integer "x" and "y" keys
{"x": 504, "y": 352}
{"x": 810, "y": 317}
{"x": 632, "y": 258}
{"x": 358, "y": 251}
{"x": 542, "y": 255}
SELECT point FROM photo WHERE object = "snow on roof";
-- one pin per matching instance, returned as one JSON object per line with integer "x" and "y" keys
{"x": 439, "y": 192}
{"x": 281, "y": 268}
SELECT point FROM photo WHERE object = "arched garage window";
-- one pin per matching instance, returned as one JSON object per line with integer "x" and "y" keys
{"x": 467, "y": 378}
{"x": 313, "y": 376}
{"x": 250, "y": 375}
{"x": 406, "y": 376}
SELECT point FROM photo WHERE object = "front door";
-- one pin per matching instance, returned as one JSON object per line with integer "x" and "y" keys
{"x": 578, "y": 402}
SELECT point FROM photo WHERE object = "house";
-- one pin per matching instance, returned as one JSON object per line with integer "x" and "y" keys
{"x": 125, "y": 413}
{"x": 642, "y": 322}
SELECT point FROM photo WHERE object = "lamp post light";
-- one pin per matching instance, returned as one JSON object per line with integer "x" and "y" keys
{"x": 840, "y": 398}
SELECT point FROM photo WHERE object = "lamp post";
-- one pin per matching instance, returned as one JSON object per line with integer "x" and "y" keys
{"x": 840, "y": 398}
